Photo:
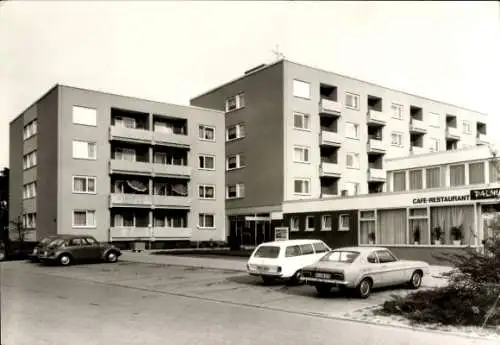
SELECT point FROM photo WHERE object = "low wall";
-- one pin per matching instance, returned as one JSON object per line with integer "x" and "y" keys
{"x": 426, "y": 253}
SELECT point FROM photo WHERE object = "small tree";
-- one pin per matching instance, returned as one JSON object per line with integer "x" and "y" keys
{"x": 19, "y": 232}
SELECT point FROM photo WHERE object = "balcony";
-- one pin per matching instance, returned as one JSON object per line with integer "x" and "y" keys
{"x": 329, "y": 107}
{"x": 171, "y": 170}
{"x": 481, "y": 139}
{"x": 375, "y": 117}
{"x": 172, "y": 202}
{"x": 417, "y": 150}
{"x": 171, "y": 139}
{"x": 130, "y": 200}
{"x": 376, "y": 175}
{"x": 330, "y": 169}
{"x": 327, "y": 138}
{"x": 172, "y": 233}
{"x": 129, "y": 232}
{"x": 375, "y": 146}
{"x": 126, "y": 166}
{"x": 417, "y": 126}
{"x": 130, "y": 134}
{"x": 452, "y": 133}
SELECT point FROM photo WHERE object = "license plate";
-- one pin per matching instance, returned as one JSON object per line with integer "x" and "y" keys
{"x": 263, "y": 268}
{"x": 322, "y": 275}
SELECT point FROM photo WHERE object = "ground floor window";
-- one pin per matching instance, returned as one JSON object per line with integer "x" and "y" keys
{"x": 367, "y": 228}
{"x": 453, "y": 225}
{"x": 391, "y": 226}
{"x": 418, "y": 220}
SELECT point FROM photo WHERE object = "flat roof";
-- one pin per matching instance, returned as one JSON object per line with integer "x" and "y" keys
{"x": 265, "y": 66}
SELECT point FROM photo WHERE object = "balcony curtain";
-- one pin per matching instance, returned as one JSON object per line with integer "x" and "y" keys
{"x": 179, "y": 189}
{"x": 138, "y": 186}
{"x": 160, "y": 158}
{"x": 391, "y": 226}
{"x": 416, "y": 179}
{"x": 457, "y": 175}
{"x": 366, "y": 227}
{"x": 476, "y": 173}
{"x": 399, "y": 181}
{"x": 424, "y": 230}
{"x": 433, "y": 177}
{"x": 449, "y": 216}
{"x": 159, "y": 222}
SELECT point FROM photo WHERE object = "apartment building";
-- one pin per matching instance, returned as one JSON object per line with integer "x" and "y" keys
{"x": 437, "y": 203}
{"x": 121, "y": 169}
{"x": 295, "y": 132}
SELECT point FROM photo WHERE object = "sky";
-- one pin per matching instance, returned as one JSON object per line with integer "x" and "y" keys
{"x": 171, "y": 51}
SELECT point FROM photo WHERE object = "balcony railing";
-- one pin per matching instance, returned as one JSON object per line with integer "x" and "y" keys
{"x": 375, "y": 145}
{"x": 417, "y": 150}
{"x": 136, "y": 200}
{"x": 327, "y": 106}
{"x": 172, "y": 139}
{"x": 130, "y": 134}
{"x": 172, "y": 233}
{"x": 376, "y": 117}
{"x": 328, "y": 138}
{"x": 452, "y": 133}
{"x": 130, "y": 232}
{"x": 481, "y": 139}
{"x": 118, "y": 165}
{"x": 417, "y": 126}
{"x": 330, "y": 169}
{"x": 171, "y": 169}
{"x": 172, "y": 201}
{"x": 376, "y": 174}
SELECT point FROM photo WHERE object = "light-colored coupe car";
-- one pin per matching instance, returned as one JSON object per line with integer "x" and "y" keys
{"x": 360, "y": 269}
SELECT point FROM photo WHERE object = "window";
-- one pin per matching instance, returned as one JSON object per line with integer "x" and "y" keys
{"x": 301, "y": 154}
{"x": 235, "y": 102}
{"x": 124, "y": 122}
{"x": 433, "y": 177}
{"x": 84, "y": 218}
{"x": 84, "y": 116}
{"x": 416, "y": 180}
{"x": 320, "y": 247}
{"x": 351, "y": 130}
{"x": 125, "y": 154}
{"x": 84, "y": 150}
{"x": 301, "y": 89}
{"x": 326, "y": 222}
{"x": 350, "y": 188}
{"x": 457, "y": 175}
{"x": 206, "y": 192}
{"x": 235, "y": 161}
{"x": 476, "y": 173}
{"x": 434, "y": 120}
{"x": 30, "y": 160}
{"x": 397, "y": 111}
{"x": 235, "y": 191}
{"x": 397, "y": 139}
{"x": 301, "y": 186}
{"x": 29, "y": 190}
{"x": 206, "y": 221}
{"x": 467, "y": 127}
{"x": 301, "y": 121}
{"x": 367, "y": 215}
{"x": 29, "y": 220}
{"x": 494, "y": 171}
{"x": 306, "y": 249}
{"x": 434, "y": 145}
{"x": 207, "y": 162}
{"x": 294, "y": 223}
{"x": 352, "y": 160}
{"x": 292, "y": 251}
{"x": 235, "y": 132}
{"x": 84, "y": 184}
{"x": 352, "y": 101}
{"x": 310, "y": 223}
{"x": 344, "y": 220}
{"x": 30, "y": 129}
{"x": 384, "y": 256}
{"x": 399, "y": 181}
{"x": 207, "y": 133}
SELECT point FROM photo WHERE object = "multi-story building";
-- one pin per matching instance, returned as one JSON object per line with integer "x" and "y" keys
{"x": 119, "y": 168}
{"x": 296, "y": 132}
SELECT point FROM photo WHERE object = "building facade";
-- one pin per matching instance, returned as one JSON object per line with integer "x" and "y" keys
{"x": 295, "y": 132}
{"x": 437, "y": 203}
{"x": 118, "y": 168}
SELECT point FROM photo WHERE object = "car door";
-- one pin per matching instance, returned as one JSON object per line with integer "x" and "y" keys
{"x": 392, "y": 274}
{"x": 75, "y": 248}
{"x": 373, "y": 269}
{"x": 308, "y": 256}
{"x": 292, "y": 259}
{"x": 91, "y": 248}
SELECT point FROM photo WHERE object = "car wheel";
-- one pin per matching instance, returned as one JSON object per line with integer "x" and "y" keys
{"x": 65, "y": 260}
{"x": 267, "y": 280}
{"x": 295, "y": 279}
{"x": 364, "y": 288}
{"x": 416, "y": 280}
{"x": 112, "y": 256}
{"x": 323, "y": 289}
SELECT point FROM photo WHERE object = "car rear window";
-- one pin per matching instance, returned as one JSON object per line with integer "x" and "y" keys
{"x": 270, "y": 252}
{"x": 340, "y": 256}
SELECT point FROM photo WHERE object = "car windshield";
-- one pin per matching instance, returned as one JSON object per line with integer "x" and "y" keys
{"x": 46, "y": 240}
{"x": 270, "y": 252}
{"x": 340, "y": 256}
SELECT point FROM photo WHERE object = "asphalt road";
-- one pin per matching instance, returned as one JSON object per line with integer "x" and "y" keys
{"x": 132, "y": 303}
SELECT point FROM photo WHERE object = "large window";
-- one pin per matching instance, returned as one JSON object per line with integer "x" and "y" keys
{"x": 301, "y": 121}
{"x": 367, "y": 227}
{"x": 351, "y": 130}
{"x": 301, "y": 186}
{"x": 476, "y": 173}
{"x": 419, "y": 228}
{"x": 447, "y": 217}
{"x": 391, "y": 225}
{"x": 84, "y": 150}
{"x": 399, "y": 181}
{"x": 84, "y": 116}
{"x": 416, "y": 181}
{"x": 457, "y": 175}
{"x": 352, "y": 101}
{"x": 433, "y": 177}
{"x": 301, "y": 89}
{"x": 301, "y": 154}
{"x": 84, "y": 218}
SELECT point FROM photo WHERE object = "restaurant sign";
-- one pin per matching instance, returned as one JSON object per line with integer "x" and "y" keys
{"x": 281, "y": 234}
{"x": 482, "y": 194}
{"x": 441, "y": 199}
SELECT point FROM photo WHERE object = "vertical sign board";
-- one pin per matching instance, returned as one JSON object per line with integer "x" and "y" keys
{"x": 281, "y": 234}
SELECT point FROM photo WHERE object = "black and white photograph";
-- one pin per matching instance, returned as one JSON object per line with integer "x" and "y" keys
{"x": 249, "y": 172}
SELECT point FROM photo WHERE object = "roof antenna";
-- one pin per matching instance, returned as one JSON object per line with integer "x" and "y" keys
{"x": 279, "y": 55}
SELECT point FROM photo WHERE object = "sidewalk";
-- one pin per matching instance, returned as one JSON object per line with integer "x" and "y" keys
{"x": 238, "y": 264}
